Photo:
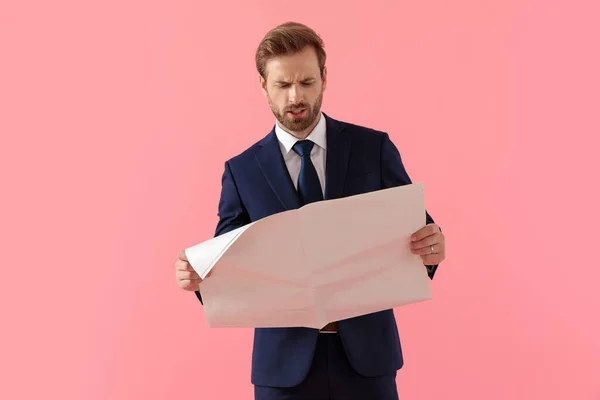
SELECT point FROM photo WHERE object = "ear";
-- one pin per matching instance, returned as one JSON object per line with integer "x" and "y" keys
{"x": 324, "y": 78}
{"x": 263, "y": 85}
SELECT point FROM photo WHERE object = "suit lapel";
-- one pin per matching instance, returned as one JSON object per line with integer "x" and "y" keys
{"x": 272, "y": 164}
{"x": 273, "y": 167}
{"x": 338, "y": 154}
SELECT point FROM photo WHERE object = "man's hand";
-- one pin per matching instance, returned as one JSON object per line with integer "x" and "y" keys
{"x": 430, "y": 244}
{"x": 187, "y": 278}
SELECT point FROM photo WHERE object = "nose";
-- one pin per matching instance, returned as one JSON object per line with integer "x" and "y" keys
{"x": 295, "y": 94}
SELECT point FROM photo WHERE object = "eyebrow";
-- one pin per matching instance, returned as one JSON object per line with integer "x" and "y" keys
{"x": 287, "y": 82}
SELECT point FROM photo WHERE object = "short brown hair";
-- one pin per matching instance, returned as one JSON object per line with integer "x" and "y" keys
{"x": 288, "y": 38}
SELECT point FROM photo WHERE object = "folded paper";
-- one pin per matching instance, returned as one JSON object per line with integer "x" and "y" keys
{"x": 324, "y": 262}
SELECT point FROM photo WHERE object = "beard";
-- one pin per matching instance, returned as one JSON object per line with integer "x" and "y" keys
{"x": 298, "y": 124}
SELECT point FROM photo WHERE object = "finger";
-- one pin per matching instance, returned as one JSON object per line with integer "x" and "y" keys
{"x": 188, "y": 285}
{"x": 427, "y": 230}
{"x": 435, "y": 239}
{"x": 431, "y": 259}
{"x": 182, "y": 255}
{"x": 434, "y": 248}
{"x": 423, "y": 251}
{"x": 187, "y": 275}
{"x": 183, "y": 266}
{"x": 184, "y": 283}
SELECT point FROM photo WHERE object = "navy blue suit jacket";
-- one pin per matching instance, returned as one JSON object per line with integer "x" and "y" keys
{"x": 256, "y": 184}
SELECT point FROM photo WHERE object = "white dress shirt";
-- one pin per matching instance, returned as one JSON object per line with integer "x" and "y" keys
{"x": 317, "y": 155}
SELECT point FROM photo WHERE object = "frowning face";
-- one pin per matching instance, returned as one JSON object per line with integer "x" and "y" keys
{"x": 294, "y": 89}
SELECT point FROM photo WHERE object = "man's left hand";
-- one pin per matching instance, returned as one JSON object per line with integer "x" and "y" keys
{"x": 430, "y": 244}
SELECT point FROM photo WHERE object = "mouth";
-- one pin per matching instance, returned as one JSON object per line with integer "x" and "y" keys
{"x": 297, "y": 113}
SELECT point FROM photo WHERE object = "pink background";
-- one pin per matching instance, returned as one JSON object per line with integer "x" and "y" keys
{"x": 116, "y": 118}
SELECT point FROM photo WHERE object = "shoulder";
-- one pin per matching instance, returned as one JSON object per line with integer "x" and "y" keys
{"x": 360, "y": 133}
{"x": 248, "y": 155}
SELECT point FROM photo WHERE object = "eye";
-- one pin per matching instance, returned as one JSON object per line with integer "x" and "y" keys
{"x": 307, "y": 83}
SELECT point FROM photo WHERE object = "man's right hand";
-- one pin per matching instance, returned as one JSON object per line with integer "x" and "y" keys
{"x": 187, "y": 278}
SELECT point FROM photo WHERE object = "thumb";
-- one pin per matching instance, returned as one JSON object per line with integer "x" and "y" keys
{"x": 182, "y": 255}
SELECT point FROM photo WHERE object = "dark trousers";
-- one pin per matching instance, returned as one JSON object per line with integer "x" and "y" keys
{"x": 332, "y": 378}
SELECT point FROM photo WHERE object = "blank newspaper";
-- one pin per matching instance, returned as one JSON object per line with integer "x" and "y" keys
{"x": 324, "y": 262}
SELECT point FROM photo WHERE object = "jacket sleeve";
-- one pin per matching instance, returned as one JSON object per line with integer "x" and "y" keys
{"x": 394, "y": 174}
{"x": 232, "y": 214}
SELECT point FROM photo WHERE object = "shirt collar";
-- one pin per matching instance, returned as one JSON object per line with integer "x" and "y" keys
{"x": 317, "y": 136}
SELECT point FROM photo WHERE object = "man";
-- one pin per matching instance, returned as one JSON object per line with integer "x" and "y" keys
{"x": 309, "y": 156}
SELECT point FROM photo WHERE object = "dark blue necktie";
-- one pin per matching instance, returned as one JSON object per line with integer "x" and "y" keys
{"x": 309, "y": 186}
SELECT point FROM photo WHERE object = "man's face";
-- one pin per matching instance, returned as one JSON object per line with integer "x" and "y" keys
{"x": 294, "y": 88}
